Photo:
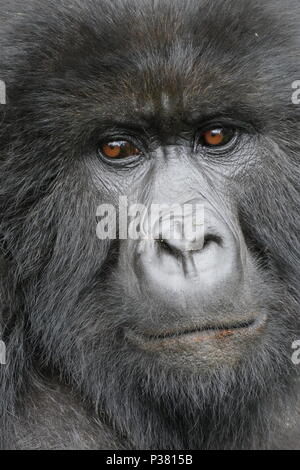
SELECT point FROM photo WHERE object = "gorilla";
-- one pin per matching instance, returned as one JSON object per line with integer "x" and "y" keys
{"x": 158, "y": 343}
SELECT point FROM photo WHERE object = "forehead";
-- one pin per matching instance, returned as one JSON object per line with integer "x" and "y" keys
{"x": 170, "y": 59}
{"x": 189, "y": 56}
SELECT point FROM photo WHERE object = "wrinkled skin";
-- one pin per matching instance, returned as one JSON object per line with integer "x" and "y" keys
{"x": 132, "y": 344}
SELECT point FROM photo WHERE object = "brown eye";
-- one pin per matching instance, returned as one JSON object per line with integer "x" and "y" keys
{"x": 217, "y": 137}
{"x": 119, "y": 149}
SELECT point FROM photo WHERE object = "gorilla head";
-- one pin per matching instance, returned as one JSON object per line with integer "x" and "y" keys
{"x": 167, "y": 342}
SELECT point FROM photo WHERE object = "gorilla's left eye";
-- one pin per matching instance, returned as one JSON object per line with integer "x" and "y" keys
{"x": 118, "y": 149}
{"x": 216, "y": 136}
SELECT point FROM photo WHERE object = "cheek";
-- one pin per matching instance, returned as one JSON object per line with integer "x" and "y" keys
{"x": 112, "y": 182}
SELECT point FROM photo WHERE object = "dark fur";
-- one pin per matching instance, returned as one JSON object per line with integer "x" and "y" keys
{"x": 65, "y": 385}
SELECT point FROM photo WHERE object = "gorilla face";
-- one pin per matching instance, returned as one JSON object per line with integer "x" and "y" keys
{"x": 197, "y": 307}
{"x": 166, "y": 104}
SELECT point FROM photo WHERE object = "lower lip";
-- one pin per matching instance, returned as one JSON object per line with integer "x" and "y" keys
{"x": 194, "y": 338}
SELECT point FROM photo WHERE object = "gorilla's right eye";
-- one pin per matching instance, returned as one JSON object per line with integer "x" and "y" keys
{"x": 116, "y": 150}
{"x": 217, "y": 136}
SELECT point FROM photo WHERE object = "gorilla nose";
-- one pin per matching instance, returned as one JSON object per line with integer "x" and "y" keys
{"x": 200, "y": 259}
{"x": 186, "y": 255}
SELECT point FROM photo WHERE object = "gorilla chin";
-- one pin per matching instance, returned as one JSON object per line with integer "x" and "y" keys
{"x": 162, "y": 342}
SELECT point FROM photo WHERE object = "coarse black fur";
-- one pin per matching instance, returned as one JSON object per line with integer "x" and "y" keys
{"x": 68, "y": 381}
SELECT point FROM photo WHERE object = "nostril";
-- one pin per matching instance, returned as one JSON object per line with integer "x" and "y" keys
{"x": 212, "y": 238}
{"x": 167, "y": 246}
{"x": 178, "y": 248}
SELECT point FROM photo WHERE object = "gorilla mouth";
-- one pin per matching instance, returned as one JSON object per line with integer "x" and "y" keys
{"x": 188, "y": 331}
{"x": 202, "y": 332}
